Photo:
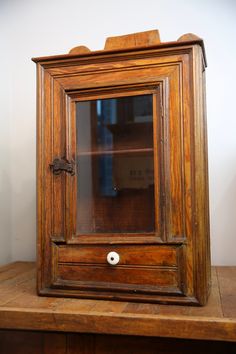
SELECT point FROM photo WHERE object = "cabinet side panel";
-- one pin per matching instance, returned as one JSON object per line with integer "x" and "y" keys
{"x": 44, "y": 178}
{"x": 39, "y": 147}
{"x": 201, "y": 222}
{"x": 207, "y": 213}
{"x": 188, "y": 195}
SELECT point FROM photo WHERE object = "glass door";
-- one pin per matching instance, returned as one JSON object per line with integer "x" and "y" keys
{"x": 115, "y": 166}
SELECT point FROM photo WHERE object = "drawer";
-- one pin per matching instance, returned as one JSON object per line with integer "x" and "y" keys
{"x": 129, "y": 255}
{"x": 140, "y": 268}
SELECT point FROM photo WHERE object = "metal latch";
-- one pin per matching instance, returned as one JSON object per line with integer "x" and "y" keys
{"x": 59, "y": 165}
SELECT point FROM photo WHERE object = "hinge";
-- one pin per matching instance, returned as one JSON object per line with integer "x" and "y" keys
{"x": 58, "y": 165}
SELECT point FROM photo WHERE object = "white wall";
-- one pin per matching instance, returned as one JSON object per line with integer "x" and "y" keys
{"x": 5, "y": 167}
{"x": 30, "y": 28}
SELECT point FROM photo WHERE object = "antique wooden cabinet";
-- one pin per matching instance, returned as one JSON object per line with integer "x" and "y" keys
{"x": 122, "y": 172}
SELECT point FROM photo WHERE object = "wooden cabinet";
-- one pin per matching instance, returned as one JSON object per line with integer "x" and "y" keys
{"x": 122, "y": 172}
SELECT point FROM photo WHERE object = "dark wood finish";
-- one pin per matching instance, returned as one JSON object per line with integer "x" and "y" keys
{"x": 131, "y": 255}
{"x": 173, "y": 73}
{"x": 158, "y": 271}
{"x": 22, "y": 342}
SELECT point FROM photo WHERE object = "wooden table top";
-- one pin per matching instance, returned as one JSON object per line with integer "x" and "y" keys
{"x": 21, "y": 308}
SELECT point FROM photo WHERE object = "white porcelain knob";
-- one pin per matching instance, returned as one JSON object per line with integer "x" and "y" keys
{"x": 113, "y": 258}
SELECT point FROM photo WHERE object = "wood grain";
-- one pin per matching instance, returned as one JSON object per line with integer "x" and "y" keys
{"x": 157, "y": 277}
{"x": 25, "y": 310}
{"x": 188, "y": 37}
{"x": 227, "y": 280}
{"x": 80, "y": 50}
{"x": 129, "y": 254}
{"x": 133, "y": 40}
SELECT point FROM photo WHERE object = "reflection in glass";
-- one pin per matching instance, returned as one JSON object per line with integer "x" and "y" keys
{"x": 115, "y": 183}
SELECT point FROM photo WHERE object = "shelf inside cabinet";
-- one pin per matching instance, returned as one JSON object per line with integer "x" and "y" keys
{"x": 118, "y": 152}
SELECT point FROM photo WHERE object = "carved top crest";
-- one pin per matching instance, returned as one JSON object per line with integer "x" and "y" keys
{"x": 134, "y": 40}
{"x": 131, "y": 41}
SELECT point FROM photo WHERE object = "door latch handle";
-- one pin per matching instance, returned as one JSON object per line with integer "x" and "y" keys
{"x": 59, "y": 165}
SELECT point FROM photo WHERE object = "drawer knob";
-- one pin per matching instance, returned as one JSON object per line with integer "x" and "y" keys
{"x": 113, "y": 258}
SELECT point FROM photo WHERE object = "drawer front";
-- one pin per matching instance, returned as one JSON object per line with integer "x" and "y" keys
{"x": 140, "y": 268}
{"x": 129, "y": 255}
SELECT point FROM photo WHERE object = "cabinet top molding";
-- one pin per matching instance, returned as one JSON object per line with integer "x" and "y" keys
{"x": 128, "y": 43}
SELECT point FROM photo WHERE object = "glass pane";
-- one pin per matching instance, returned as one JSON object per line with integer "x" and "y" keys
{"x": 115, "y": 182}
